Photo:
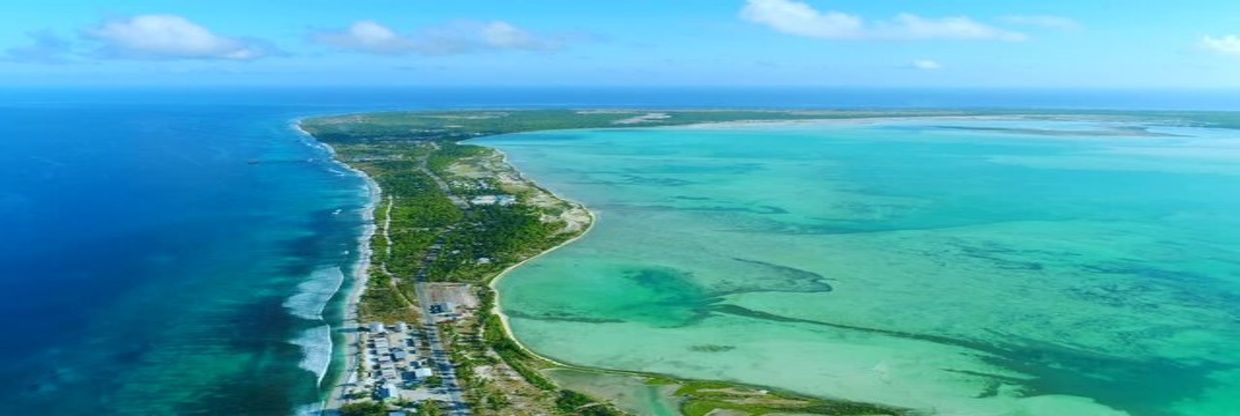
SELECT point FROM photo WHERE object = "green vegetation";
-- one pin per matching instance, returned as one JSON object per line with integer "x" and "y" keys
{"x": 452, "y": 126}
{"x": 703, "y": 397}
{"x": 367, "y": 408}
{"x": 502, "y": 234}
{"x": 573, "y": 403}
{"x": 450, "y": 153}
{"x": 429, "y": 408}
{"x": 386, "y": 301}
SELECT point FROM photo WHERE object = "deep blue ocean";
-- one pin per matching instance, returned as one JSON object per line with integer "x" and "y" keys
{"x": 180, "y": 251}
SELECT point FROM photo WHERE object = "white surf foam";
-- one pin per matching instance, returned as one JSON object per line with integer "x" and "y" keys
{"x": 313, "y": 409}
{"x": 316, "y": 350}
{"x": 312, "y": 295}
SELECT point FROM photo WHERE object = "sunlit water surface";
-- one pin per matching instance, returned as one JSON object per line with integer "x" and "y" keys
{"x": 966, "y": 266}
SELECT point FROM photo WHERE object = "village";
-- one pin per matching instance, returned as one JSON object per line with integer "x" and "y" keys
{"x": 397, "y": 363}
{"x": 394, "y": 367}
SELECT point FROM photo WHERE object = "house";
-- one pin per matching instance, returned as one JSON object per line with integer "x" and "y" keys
{"x": 376, "y": 328}
{"x": 385, "y": 391}
{"x": 483, "y": 200}
{"x": 423, "y": 372}
{"x": 444, "y": 307}
{"x": 402, "y": 327}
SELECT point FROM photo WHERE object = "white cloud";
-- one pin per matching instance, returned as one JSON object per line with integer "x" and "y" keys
{"x": 925, "y": 64}
{"x": 1226, "y": 44}
{"x": 45, "y": 47}
{"x": 1042, "y": 20}
{"x": 798, "y": 18}
{"x": 367, "y": 36}
{"x": 454, "y": 38}
{"x": 165, "y": 36}
{"x": 504, "y": 35}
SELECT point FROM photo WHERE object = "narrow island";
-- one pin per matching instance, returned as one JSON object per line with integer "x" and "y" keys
{"x": 424, "y": 332}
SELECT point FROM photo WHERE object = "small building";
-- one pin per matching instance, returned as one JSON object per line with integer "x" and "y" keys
{"x": 423, "y": 372}
{"x": 443, "y": 307}
{"x": 376, "y": 328}
{"x": 401, "y": 326}
{"x": 493, "y": 200}
{"x": 385, "y": 391}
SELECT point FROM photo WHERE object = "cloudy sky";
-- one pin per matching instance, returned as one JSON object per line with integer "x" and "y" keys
{"x": 933, "y": 43}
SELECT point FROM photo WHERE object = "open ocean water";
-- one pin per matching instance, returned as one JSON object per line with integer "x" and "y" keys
{"x": 183, "y": 251}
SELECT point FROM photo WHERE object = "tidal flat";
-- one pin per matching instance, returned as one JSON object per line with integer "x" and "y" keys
{"x": 978, "y": 266}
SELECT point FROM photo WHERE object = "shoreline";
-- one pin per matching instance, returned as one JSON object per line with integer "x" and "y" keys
{"x": 494, "y": 281}
{"x": 349, "y": 314}
{"x": 361, "y": 275}
{"x": 658, "y": 378}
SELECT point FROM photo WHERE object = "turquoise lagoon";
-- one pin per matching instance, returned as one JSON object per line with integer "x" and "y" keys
{"x": 982, "y": 266}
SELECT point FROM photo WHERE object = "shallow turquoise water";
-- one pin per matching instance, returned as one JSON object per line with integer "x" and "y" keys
{"x": 983, "y": 266}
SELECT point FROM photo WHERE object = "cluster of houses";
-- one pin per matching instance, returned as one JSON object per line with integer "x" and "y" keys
{"x": 392, "y": 360}
{"x": 471, "y": 185}
{"x": 493, "y": 200}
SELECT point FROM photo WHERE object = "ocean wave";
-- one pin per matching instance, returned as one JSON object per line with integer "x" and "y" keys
{"x": 314, "y": 294}
{"x": 316, "y": 350}
{"x": 312, "y": 409}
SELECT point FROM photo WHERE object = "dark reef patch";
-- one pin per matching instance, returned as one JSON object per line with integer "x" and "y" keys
{"x": 711, "y": 348}
{"x": 780, "y": 278}
{"x": 563, "y": 317}
{"x": 1120, "y": 382}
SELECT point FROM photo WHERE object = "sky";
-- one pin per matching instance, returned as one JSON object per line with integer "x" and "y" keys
{"x": 838, "y": 43}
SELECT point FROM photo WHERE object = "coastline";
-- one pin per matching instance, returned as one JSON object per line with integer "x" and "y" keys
{"x": 349, "y": 313}
{"x": 736, "y": 394}
{"x": 680, "y": 383}
{"x": 494, "y": 281}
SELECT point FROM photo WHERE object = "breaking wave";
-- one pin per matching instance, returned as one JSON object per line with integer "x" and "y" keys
{"x": 314, "y": 294}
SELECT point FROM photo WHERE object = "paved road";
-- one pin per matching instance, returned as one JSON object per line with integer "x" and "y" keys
{"x": 439, "y": 355}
